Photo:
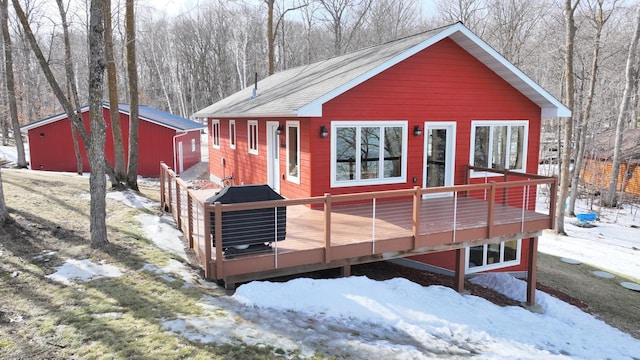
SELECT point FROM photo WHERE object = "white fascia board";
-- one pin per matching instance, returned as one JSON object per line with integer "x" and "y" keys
{"x": 37, "y": 124}
{"x": 551, "y": 107}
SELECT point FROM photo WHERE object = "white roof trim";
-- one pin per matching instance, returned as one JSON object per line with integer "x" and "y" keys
{"x": 37, "y": 124}
{"x": 550, "y": 106}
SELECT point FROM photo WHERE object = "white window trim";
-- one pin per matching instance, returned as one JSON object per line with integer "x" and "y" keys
{"x": 250, "y": 124}
{"x": 379, "y": 181}
{"x": 296, "y": 125}
{"x": 193, "y": 145}
{"x": 215, "y": 134}
{"x": 232, "y": 134}
{"x": 508, "y": 123}
{"x": 494, "y": 266}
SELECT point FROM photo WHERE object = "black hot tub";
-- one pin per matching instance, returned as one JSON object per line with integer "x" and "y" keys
{"x": 245, "y": 230}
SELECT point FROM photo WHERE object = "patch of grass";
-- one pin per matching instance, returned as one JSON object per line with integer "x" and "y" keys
{"x": 108, "y": 318}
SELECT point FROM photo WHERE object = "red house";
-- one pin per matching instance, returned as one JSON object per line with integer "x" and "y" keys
{"x": 162, "y": 137}
{"x": 411, "y": 112}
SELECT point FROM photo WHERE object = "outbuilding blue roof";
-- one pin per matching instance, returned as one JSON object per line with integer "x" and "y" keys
{"x": 146, "y": 113}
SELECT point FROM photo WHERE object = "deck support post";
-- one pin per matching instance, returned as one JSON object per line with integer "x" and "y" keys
{"x": 345, "y": 271}
{"x": 459, "y": 274}
{"x": 532, "y": 269}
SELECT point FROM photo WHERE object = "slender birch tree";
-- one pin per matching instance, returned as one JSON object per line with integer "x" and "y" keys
{"x": 565, "y": 175}
{"x": 119, "y": 166}
{"x": 611, "y": 196}
{"x": 132, "y": 72}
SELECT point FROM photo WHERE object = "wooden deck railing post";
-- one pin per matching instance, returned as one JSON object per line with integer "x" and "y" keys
{"x": 163, "y": 175}
{"x": 491, "y": 210}
{"x": 207, "y": 245}
{"x": 217, "y": 211}
{"x": 191, "y": 219}
{"x": 327, "y": 228}
{"x": 416, "y": 214}
{"x": 178, "y": 204}
{"x": 553, "y": 197}
{"x": 169, "y": 195}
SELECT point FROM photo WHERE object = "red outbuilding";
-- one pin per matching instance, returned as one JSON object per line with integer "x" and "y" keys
{"x": 163, "y": 137}
{"x": 412, "y": 112}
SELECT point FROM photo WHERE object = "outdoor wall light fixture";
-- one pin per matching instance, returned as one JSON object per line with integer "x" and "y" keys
{"x": 417, "y": 131}
{"x": 324, "y": 132}
{"x": 279, "y": 130}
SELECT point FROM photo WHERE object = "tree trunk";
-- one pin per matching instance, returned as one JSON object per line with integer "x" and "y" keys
{"x": 599, "y": 20}
{"x": 622, "y": 114}
{"x": 4, "y": 213}
{"x": 132, "y": 70}
{"x": 11, "y": 88}
{"x": 119, "y": 165}
{"x": 97, "y": 181}
{"x": 271, "y": 37}
{"x": 72, "y": 89}
{"x": 565, "y": 175}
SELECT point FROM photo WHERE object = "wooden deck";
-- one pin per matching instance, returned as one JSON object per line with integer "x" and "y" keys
{"x": 343, "y": 230}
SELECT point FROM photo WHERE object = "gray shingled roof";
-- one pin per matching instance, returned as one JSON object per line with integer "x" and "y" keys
{"x": 301, "y": 91}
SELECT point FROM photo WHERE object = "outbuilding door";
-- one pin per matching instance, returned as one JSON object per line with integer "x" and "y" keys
{"x": 273, "y": 155}
{"x": 439, "y": 154}
{"x": 180, "y": 158}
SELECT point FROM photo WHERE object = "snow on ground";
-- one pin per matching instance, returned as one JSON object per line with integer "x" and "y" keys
{"x": 359, "y": 318}
{"x": 614, "y": 247}
{"x": 83, "y": 270}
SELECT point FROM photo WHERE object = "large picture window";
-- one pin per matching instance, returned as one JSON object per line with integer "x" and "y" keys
{"x": 252, "y": 136}
{"x": 215, "y": 134}
{"x": 499, "y": 145}
{"x": 493, "y": 256}
{"x": 293, "y": 151}
{"x": 364, "y": 153}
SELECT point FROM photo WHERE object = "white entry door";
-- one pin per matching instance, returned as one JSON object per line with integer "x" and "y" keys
{"x": 273, "y": 155}
{"x": 180, "y": 158}
{"x": 439, "y": 154}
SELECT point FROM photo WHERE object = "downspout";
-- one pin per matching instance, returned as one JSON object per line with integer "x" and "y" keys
{"x": 175, "y": 156}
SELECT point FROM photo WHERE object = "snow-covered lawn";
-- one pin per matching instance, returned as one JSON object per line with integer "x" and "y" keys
{"x": 359, "y": 318}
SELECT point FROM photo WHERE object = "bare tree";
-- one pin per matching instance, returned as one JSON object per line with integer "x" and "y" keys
{"x": 272, "y": 30}
{"x": 598, "y": 20}
{"x": 94, "y": 144}
{"x": 119, "y": 165}
{"x": 97, "y": 181}
{"x": 4, "y": 213}
{"x": 10, "y": 82}
{"x": 345, "y": 18}
{"x": 391, "y": 19}
{"x": 72, "y": 89}
{"x": 565, "y": 175}
{"x": 132, "y": 72}
{"x": 622, "y": 114}
{"x": 470, "y": 12}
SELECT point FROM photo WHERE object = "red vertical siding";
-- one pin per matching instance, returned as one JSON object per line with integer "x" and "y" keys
{"x": 53, "y": 150}
{"x": 441, "y": 83}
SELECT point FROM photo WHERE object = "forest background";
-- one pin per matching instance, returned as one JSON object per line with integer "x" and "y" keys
{"x": 191, "y": 54}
